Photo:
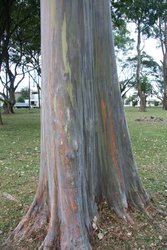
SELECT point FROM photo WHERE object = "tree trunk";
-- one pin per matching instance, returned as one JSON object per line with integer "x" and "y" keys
{"x": 86, "y": 153}
{"x": 39, "y": 97}
{"x": 1, "y": 122}
{"x": 142, "y": 101}
{"x": 165, "y": 69}
{"x": 8, "y": 107}
{"x": 9, "y": 101}
{"x": 141, "y": 94}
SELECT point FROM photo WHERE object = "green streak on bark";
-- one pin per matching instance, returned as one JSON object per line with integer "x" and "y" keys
{"x": 54, "y": 103}
{"x": 53, "y": 12}
{"x": 70, "y": 91}
{"x": 65, "y": 60}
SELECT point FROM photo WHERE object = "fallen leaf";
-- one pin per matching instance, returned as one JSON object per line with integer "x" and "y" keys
{"x": 100, "y": 235}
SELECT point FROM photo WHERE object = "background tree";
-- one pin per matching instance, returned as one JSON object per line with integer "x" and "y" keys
{"x": 150, "y": 70}
{"x": 158, "y": 86}
{"x": 160, "y": 33}
{"x": 144, "y": 14}
{"x": 146, "y": 87}
{"x": 123, "y": 44}
{"x": 149, "y": 74}
{"x": 19, "y": 36}
{"x": 20, "y": 99}
{"x": 25, "y": 93}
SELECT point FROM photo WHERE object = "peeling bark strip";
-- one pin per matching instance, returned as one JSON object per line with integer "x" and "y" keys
{"x": 86, "y": 153}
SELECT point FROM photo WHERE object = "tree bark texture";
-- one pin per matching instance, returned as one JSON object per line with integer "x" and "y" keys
{"x": 86, "y": 153}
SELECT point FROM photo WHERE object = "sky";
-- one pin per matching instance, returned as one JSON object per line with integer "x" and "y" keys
{"x": 151, "y": 48}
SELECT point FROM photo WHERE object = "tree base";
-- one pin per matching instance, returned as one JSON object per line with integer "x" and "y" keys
{"x": 34, "y": 228}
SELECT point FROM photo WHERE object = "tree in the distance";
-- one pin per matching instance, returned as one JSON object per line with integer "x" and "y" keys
{"x": 19, "y": 42}
{"x": 161, "y": 34}
{"x": 86, "y": 154}
{"x": 144, "y": 14}
{"x": 1, "y": 122}
{"x": 25, "y": 93}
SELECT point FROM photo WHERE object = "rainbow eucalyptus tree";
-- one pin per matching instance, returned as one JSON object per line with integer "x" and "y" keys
{"x": 86, "y": 153}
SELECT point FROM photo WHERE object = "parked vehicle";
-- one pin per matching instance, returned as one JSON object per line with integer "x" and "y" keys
{"x": 21, "y": 105}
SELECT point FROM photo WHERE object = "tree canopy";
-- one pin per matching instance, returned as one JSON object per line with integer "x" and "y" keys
{"x": 19, "y": 45}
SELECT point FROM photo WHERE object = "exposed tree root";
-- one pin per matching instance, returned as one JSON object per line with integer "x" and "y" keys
{"x": 158, "y": 211}
{"x": 34, "y": 221}
{"x": 128, "y": 218}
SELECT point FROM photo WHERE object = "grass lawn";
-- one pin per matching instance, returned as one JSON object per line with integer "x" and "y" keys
{"x": 19, "y": 168}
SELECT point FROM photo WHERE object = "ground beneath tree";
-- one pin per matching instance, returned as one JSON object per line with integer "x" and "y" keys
{"x": 110, "y": 232}
{"x": 21, "y": 165}
{"x": 150, "y": 119}
{"x": 146, "y": 233}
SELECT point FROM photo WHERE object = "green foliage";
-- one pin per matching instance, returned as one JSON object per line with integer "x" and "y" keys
{"x": 146, "y": 86}
{"x": 122, "y": 39}
{"x": 25, "y": 38}
{"x": 156, "y": 103}
{"x": 131, "y": 98}
{"x": 20, "y": 99}
{"x": 145, "y": 15}
{"x": 140, "y": 11}
{"x": 19, "y": 43}
{"x": 20, "y": 31}
{"x": 25, "y": 93}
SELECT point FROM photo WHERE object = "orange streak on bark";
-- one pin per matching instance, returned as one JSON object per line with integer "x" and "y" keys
{"x": 104, "y": 113}
{"x": 73, "y": 204}
{"x": 113, "y": 148}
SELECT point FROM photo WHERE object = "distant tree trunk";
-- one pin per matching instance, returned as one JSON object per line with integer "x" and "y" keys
{"x": 12, "y": 99}
{"x": 1, "y": 122}
{"x": 29, "y": 92}
{"x": 39, "y": 97}
{"x": 8, "y": 107}
{"x": 9, "y": 100}
{"x": 86, "y": 153}
{"x": 141, "y": 94}
{"x": 165, "y": 69}
{"x": 142, "y": 101}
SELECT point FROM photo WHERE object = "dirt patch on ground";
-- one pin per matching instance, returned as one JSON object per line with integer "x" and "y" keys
{"x": 109, "y": 232}
{"x": 150, "y": 119}
{"x": 148, "y": 232}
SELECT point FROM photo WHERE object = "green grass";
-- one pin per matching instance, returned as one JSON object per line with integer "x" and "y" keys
{"x": 19, "y": 166}
{"x": 149, "y": 140}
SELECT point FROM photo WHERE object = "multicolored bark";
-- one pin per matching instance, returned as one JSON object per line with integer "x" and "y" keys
{"x": 86, "y": 153}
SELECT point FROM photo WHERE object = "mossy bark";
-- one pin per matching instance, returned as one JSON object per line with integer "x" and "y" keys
{"x": 86, "y": 153}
